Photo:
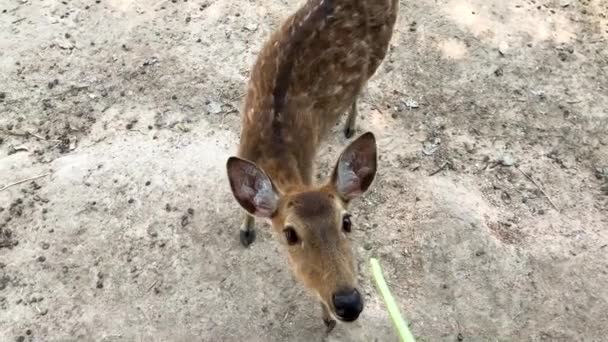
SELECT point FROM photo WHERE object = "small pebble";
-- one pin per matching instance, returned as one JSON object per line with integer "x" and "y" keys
{"x": 507, "y": 160}
{"x": 503, "y": 47}
{"x": 185, "y": 220}
{"x": 41, "y": 258}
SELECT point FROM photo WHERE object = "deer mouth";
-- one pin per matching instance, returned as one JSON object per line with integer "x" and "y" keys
{"x": 347, "y": 320}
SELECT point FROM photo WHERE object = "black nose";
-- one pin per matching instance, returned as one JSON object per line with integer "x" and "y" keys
{"x": 348, "y": 304}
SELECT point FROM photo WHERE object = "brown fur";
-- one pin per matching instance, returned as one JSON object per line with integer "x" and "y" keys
{"x": 308, "y": 73}
{"x": 330, "y": 59}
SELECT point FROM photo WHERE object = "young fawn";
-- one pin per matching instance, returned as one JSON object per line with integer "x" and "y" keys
{"x": 309, "y": 73}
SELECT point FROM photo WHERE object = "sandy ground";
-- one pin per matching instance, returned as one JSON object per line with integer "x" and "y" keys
{"x": 489, "y": 213}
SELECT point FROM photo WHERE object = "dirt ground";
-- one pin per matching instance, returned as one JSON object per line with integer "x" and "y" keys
{"x": 489, "y": 212}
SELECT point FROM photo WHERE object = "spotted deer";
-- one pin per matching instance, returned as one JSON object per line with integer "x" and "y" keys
{"x": 310, "y": 72}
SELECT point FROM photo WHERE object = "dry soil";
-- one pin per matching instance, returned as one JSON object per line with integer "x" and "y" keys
{"x": 489, "y": 212}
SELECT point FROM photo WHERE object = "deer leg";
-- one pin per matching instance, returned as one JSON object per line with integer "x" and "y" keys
{"x": 247, "y": 231}
{"x": 349, "y": 127}
{"x": 330, "y": 323}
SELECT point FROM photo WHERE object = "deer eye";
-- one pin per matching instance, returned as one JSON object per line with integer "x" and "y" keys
{"x": 291, "y": 236}
{"x": 346, "y": 223}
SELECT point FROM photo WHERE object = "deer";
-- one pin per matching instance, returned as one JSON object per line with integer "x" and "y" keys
{"x": 308, "y": 73}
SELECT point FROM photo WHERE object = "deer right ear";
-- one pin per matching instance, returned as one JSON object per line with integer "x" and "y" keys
{"x": 252, "y": 188}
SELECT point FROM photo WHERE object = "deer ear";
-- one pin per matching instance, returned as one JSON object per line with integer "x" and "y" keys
{"x": 356, "y": 167}
{"x": 252, "y": 188}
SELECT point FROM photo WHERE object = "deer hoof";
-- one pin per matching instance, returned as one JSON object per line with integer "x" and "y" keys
{"x": 349, "y": 132}
{"x": 330, "y": 324}
{"x": 247, "y": 237}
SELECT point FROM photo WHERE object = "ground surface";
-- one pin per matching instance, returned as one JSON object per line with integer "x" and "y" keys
{"x": 132, "y": 107}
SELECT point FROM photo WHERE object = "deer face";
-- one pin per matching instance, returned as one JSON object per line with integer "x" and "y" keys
{"x": 314, "y": 223}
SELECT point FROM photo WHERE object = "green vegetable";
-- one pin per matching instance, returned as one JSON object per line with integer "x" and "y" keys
{"x": 393, "y": 310}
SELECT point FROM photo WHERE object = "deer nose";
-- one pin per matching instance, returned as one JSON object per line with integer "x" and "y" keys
{"x": 348, "y": 304}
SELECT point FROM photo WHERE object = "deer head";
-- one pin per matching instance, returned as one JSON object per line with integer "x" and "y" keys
{"x": 313, "y": 222}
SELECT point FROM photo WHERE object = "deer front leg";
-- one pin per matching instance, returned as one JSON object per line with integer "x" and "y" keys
{"x": 330, "y": 323}
{"x": 349, "y": 127}
{"x": 247, "y": 231}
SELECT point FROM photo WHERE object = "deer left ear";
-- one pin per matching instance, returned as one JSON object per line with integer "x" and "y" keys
{"x": 356, "y": 167}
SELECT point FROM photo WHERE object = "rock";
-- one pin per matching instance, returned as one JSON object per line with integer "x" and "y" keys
{"x": 185, "y": 220}
{"x": 251, "y": 27}
{"x": 601, "y": 173}
{"x": 64, "y": 44}
{"x": 507, "y": 160}
{"x": 470, "y": 148}
{"x": 410, "y": 103}
{"x": 14, "y": 149}
{"x": 429, "y": 147}
{"x": 503, "y": 47}
{"x": 214, "y": 107}
{"x": 413, "y": 26}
